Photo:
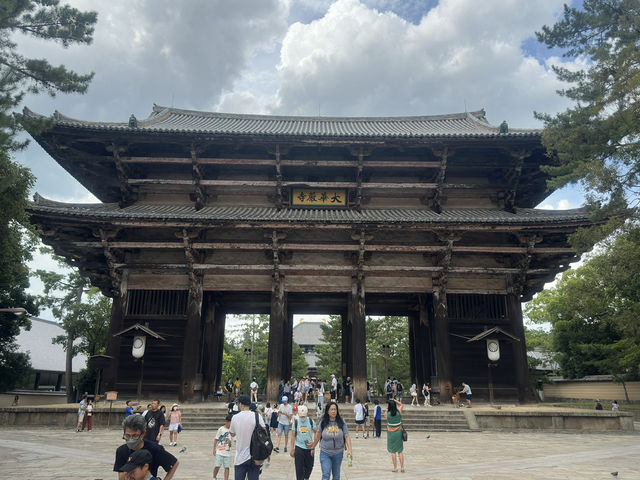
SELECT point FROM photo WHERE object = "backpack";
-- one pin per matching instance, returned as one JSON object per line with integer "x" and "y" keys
{"x": 389, "y": 387}
{"x": 261, "y": 446}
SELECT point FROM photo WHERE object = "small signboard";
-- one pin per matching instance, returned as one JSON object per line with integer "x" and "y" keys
{"x": 309, "y": 197}
{"x": 112, "y": 396}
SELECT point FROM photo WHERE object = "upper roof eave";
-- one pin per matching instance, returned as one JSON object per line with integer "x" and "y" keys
{"x": 190, "y": 122}
{"x": 165, "y": 213}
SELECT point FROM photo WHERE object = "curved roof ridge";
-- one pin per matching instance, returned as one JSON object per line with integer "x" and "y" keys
{"x": 179, "y": 121}
{"x": 161, "y": 110}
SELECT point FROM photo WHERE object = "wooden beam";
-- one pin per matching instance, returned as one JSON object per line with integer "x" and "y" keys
{"x": 198, "y": 177}
{"x": 325, "y": 247}
{"x": 279, "y": 193}
{"x": 126, "y": 194}
{"x": 436, "y": 201}
{"x": 256, "y": 162}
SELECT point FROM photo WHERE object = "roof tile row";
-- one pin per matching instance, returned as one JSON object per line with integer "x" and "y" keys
{"x": 171, "y": 120}
{"x": 325, "y": 216}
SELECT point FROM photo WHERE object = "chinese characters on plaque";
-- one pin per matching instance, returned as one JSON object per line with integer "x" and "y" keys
{"x": 308, "y": 197}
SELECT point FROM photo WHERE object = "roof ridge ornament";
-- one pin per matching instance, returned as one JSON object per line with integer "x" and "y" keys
{"x": 504, "y": 127}
{"x": 133, "y": 121}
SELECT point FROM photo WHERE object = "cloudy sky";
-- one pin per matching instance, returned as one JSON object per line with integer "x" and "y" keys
{"x": 306, "y": 57}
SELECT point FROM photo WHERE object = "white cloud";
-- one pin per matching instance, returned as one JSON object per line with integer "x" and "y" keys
{"x": 358, "y": 61}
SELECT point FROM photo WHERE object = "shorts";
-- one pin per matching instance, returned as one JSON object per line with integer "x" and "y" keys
{"x": 173, "y": 427}
{"x": 283, "y": 428}
{"x": 223, "y": 461}
{"x": 80, "y": 417}
{"x": 360, "y": 422}
{"x": 468, "y": 396}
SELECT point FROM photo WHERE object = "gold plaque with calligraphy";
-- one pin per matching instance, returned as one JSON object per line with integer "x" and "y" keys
{"x": 309, "y": 197}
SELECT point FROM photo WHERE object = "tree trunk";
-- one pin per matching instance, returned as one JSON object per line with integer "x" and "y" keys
{"x": 69, "y": 356}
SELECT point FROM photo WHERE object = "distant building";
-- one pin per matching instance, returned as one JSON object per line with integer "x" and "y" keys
{"x": 47, "y": 359}
{"x": 307, "y": 335}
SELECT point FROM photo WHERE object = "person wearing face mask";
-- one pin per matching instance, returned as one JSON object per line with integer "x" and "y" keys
{"x": 134, "y": 428}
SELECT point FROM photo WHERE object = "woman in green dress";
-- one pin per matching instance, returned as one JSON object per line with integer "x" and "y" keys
{"x": 394, "y": 433}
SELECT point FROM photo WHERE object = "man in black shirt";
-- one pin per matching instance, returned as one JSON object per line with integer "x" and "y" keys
{"x": 134, "y": 433}
{"x": 155, "y": 422}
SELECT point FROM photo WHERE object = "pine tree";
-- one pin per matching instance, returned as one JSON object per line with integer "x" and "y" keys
{"x": 597, "y": 140}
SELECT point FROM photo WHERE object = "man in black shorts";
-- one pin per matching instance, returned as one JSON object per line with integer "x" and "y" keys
{"x": 135, "y": 427}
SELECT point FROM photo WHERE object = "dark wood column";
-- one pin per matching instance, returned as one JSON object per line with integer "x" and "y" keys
{"x": 287, "y": 345}
{"x": 423, "y": 342}
{"x": 192, "y": 334}
{"x": 277, "y": 322}
{"x": 359, "y": 340}
{"x": 413, "y": 353}
{"x": 347, "y": 360}
{"x": 514, "y": 311}
{"x": 213, "y": 345}
{"x": 113, "y": 344}
{"x": 443, "y": 346}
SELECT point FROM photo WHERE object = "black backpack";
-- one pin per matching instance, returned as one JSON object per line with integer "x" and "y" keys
{"x": 261, "y": 445}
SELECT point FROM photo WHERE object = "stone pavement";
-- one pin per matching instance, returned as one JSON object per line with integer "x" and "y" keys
{"x": 41, "y": 453}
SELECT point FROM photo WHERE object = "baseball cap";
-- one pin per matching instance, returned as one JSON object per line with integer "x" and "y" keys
{"x": 137, "y": 458}
{"x": 285, "y": 399}
{"x": 303, "y": 411}
{"x": 244, "y": 400}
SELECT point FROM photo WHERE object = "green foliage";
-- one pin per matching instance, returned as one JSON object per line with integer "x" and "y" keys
{"x": 330, "y": 350}
{"x": 14, "y": 365}
{"x": 391, "y": 330}
{"x": 594, "y": 311}
{"x": 236, "y": 363}
{"x": 47, "y": 20}
{"x": 597, "y": 140}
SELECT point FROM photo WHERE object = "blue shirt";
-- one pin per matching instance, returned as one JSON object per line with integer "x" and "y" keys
{"x": 378, "y": 412}
{"x": 304, "y": 432}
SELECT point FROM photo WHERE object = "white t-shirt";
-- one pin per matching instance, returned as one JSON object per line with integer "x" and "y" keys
{"x": 359, "y": 411}
{"x": 254, "y": 386}
{"x": 223, "y": 448}
{"x": 334, "y": 384}
{"x": 283, "y": 411}
{"x": 242, "y": 426}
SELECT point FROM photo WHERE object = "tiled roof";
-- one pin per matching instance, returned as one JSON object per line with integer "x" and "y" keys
{"x": 307, "y": 333}
{"x": 173, "y": 120}
{"x": 225, "y": 214}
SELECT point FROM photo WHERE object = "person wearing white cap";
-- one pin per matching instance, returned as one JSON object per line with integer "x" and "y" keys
{"x": 175, "y": 418}
{"x": 303, "y": 432}
{"x": 285, "y": 413}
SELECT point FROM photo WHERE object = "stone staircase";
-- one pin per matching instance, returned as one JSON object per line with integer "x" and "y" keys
{"x": 424, "y": 419}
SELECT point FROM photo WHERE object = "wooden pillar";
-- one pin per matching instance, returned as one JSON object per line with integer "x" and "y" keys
{"x": 359, "y": 340}
{"x": 412, "y": 350}
{"x": 116, "y": 325}
{"x": 213, "y": 333}
{"x": 277, "y": 321}
{"x": 423, "y": 340}
{"x": 219, "y": 323}
{"x": 192, "y": 334}
{"x": 514, "y": 311}
{"x": 443, "y": 346}
{"x": 287, "y": 336}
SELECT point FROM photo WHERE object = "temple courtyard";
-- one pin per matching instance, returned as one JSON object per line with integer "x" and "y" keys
{"x": 56, "y": 453}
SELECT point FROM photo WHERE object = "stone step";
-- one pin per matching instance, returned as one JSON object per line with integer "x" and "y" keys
{"x": 436, "y": 420}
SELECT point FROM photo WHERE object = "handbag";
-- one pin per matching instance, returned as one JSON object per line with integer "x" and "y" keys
{"x": 404, "y": 434}
{"x": 179, "y": 427}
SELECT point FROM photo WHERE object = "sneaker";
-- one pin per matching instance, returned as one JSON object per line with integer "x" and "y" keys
{"x": 285, "y": 449}
{"x": 277, "y": 450}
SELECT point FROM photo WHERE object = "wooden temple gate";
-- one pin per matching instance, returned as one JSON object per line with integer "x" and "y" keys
{"x": 206, "y": 215}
